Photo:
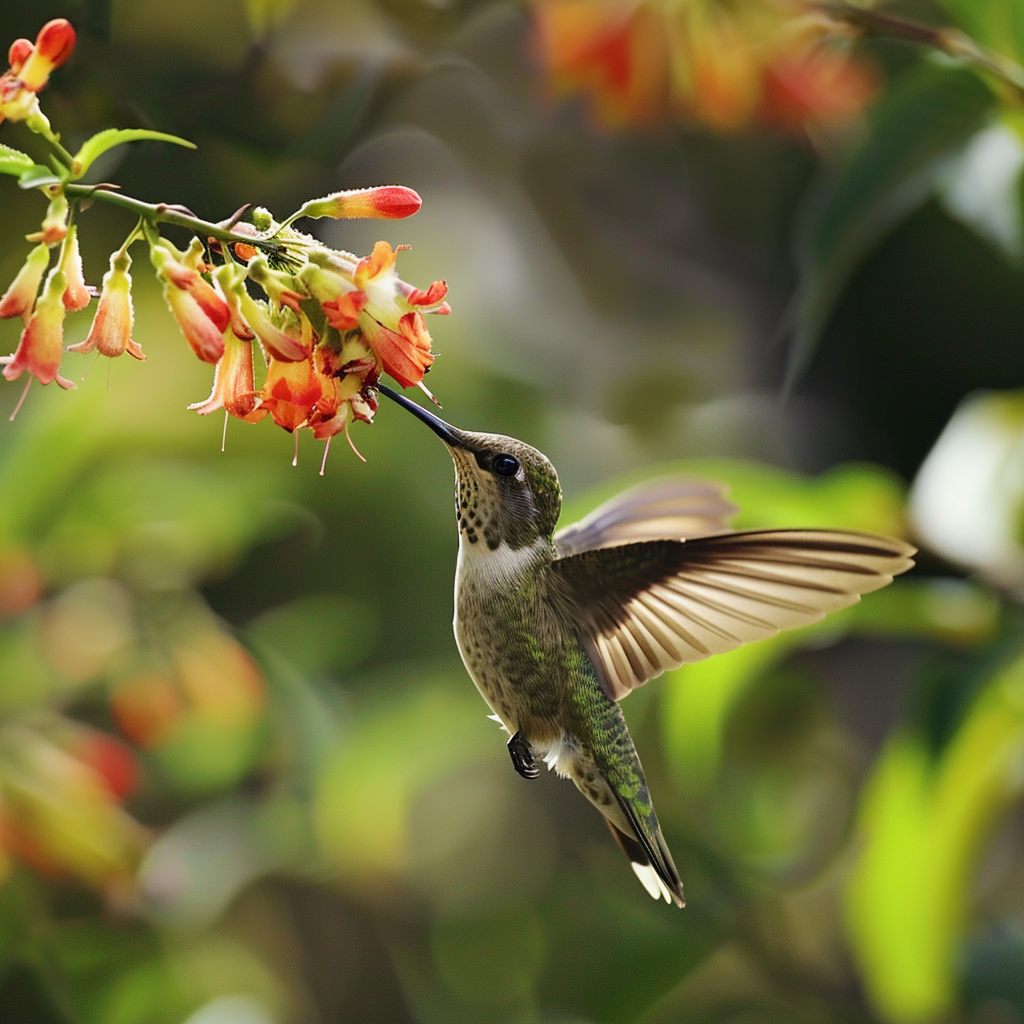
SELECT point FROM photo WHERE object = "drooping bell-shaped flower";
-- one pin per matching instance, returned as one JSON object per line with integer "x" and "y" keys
{"x": 20, "y": 297}
{"x": 42, "y": 342}
{"x": 234, "y": 386}
{"x": 77, "y": 294}
{"x": 111, "y": 331}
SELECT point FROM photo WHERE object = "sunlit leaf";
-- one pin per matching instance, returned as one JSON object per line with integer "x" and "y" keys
{"x": 111, "y": 137}
{"x": 923, "y": 823}
{"x": 924, "y": 118}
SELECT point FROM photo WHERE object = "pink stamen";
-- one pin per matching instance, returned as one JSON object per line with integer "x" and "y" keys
{"x": 21, "y": 401}
{"x": 224, "y": 435}
{"x": 351, "y": 444}
{"x": 295, "y": 461}
{"x": 327, "y": 448}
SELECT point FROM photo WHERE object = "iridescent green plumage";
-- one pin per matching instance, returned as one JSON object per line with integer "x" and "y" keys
{"x": 555, "y": 627}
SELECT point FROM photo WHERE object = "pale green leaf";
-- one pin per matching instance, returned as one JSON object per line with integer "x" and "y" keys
{"x": 111, "y": 137}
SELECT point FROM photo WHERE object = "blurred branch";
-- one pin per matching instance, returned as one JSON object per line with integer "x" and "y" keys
{"x": 950, "y": 41}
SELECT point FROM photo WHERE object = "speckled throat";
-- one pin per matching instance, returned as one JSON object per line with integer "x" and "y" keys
{"x": 486, "y": 516}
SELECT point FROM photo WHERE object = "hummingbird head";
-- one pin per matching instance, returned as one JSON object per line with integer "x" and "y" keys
{"x": 506, "y": 491}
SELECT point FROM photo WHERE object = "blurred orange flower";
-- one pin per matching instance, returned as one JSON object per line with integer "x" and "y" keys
{"x": 721, "y": 65}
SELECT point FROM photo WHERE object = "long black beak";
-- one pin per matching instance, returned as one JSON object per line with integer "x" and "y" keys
{"x": 445, "y": 431}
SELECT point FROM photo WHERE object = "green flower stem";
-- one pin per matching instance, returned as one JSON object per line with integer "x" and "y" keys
{"x": 160, "y": 213}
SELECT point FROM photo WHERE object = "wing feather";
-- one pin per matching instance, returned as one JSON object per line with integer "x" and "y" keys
{"x": 647, "y": 606}
{"x": 668, "y": 508}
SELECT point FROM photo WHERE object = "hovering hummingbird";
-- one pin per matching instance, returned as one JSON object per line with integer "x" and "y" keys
{"x": 555, "y": 628}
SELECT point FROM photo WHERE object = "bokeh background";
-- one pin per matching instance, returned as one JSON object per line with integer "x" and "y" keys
{"x": 244, "y": 778}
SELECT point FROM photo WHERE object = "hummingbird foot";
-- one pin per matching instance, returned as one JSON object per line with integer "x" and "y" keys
{"x": 522, "y": 757}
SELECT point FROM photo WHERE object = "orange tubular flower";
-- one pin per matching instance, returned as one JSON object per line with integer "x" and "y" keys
{"x": 111, "y": 331}
{"x": 20, "y": 298}
{"x": 41, "y": 346}
{"x": 234, "y": 385}
{"x": 405, "y": 354}
{"x": 77, "y": 295}
{"x": 201, "y": 313}
{"x": 291, "y": 392}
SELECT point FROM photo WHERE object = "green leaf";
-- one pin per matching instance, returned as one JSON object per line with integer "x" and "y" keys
{"x": 111, "y": 137}
{"x": 13, "y": 161}
{"x": 37, "y": 176}
{"x": 918, "y": 124}
{"x": 923, "y": 825}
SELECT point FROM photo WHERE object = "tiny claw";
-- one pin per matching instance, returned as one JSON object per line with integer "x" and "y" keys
{"x": 522, "y": 757}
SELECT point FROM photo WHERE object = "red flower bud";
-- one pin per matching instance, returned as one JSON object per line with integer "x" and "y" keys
{"x": 54, "y": 44}
{"x": 384, "y": 202}
{"x": 20, "y": 51}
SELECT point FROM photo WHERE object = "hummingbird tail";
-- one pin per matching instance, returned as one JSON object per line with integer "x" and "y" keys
{"x": 649, "y": 855}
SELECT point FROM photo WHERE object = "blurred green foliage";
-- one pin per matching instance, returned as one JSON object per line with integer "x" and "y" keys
{"x": 244, "y": 778}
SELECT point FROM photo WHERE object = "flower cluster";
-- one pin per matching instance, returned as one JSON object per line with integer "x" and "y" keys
{"x": 720, "y": 65}
{"x": 307, "y": 353}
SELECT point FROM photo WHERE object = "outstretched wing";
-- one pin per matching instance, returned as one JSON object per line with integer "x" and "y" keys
{"x": 646, "y": 607}
{"x": 667, "y": 508}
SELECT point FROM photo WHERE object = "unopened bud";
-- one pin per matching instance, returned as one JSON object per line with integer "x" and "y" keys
{"x": 385, "y": 202}
{"x": 54, "y": 44}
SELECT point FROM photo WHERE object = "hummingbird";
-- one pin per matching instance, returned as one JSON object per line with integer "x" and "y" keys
{"x": 556, "y": 626}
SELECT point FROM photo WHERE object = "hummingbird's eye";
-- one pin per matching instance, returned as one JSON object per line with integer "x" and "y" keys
{"x": 506, "y": 465}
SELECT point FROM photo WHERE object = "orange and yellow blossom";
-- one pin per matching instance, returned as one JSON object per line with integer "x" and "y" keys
{"x": 111, "y": 331}
{"x": 234, "y": 385}
{"x": 290, "y": 392}
{"x": 42, "y": 342}
{"x": 385, "y": 309}
{"x": 202, "y": 314}
{"x": 20, "y": 297}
